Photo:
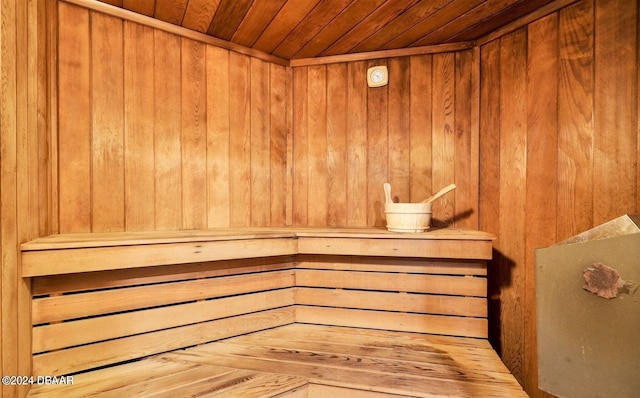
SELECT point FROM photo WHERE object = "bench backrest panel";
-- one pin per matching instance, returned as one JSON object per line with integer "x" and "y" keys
{"x": 412, "y": 295}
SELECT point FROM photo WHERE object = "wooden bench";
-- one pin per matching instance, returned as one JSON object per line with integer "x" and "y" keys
{"x": 101, "y": 302}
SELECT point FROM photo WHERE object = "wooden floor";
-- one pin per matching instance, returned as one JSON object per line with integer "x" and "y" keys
{"x": 301, "y": 360}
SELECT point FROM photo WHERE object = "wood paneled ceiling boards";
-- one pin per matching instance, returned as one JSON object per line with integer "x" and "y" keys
{"x": 295, "y": 29}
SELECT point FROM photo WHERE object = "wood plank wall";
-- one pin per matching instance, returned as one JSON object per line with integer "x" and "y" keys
{"x": 158, "y": 131}
{"x": 559, "y": 150}
{"x": 558, "y": 143}
{"x": 418, "y": 133}
{"x": 25, "y": 181}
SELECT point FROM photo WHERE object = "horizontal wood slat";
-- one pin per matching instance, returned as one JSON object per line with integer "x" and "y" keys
{"x": 56, "y": 284}
{"x": 67, "y": 307}
{"x": 418, "y": 323}
{"x": 36, "y": 263}
{"x": 403, "y": 265}
{"x": 86, "y": 331}
{"x": 435, "y": 284}
{"x": 393, "y": 247}
{"x": 386, "y": 301}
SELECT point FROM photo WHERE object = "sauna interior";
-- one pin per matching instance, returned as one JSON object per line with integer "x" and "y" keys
{"x": 155, "y": 119}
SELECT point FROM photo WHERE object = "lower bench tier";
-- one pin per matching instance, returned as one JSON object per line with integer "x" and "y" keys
{"x": 88, "y": 320}
{"x": 302, "y": 360}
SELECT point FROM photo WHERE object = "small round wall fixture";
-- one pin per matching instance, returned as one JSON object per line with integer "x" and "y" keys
{"x": 377, "y": 76}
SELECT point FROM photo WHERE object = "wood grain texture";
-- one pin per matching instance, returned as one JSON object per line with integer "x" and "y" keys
{"x": 377, "y": 150}
{"x": 172, "y": 12}
{"x": 260, "y": 144}
{"x": 240, "y": 139}
{"x": 410, "y": 25}
{"x": 27, "y": 38}
{"x": 107, "y": 116}
{"x": 356, "y": 145}
{"x": 420, "y": 113}
{"x": 575, "y": 119}
{"x": 318, "y": 28}
{"x": 164, "y": 124}
{"x": 577, "y": 174}
{"x": 168, "y": 121}
{"x": 399, "y": 125}
{"x": 193, "y": 137}
{"x": 337, "y": 145}
{"x": 513, "y": 169}
{"x": 542, "y": 156}
{"x": 391, "y": 135}
{"x": 218, "y": 138}
{"x": 300, "y": 178}
{"x": 352, "y": 358}
{"x": 199, "y": 13}
{"x": 10, "y": 123}
{"x": 74, "y": 109}
{"x": 317, "y": 146}
{"x": 328, "y": 361}
{"x": 139, "y": 104}
{"x": 95, "y": 326}
{"x": 279, "y": 142}
{"x": 443, "y": 134}
{"x": 615, "y": 118}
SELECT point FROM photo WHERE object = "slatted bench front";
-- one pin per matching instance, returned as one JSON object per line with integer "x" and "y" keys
{"x": 107, "y": 299}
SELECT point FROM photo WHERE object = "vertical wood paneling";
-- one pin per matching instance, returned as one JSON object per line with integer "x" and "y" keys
{"x": 542, "y": 155}
{"x": 139, "y": 127}
{"x": 443, "y": 134}
{"x": 25, "y": 117}
{"x": 279, "y": 127}
{"x": 260, "y": 144}
{"x": 218, "y": 140}
{"x": 74, "y": 98}
{"x": 465, "y": 162}
{"x": 349, "y": 139}
{"x": 377, "y": 151}
{"x": 337, "y": 144}
{"x": 513, "y": 168}
{"x": 490, "y": 98}
{"x": 167, "y": 124}
{"x": 614, "y": 110}
{"x": 194, "y": 135}
{"x": 356, "y": 145}
{"x": 569, "y": 108}
{"x": 317, "y": 146}
{"x": 489, "y": 181}
{"x": 107, "y": 140}
{"x": 575, "y": 119}
{"x": 240, "y": 139}
{"x": 420, "y": 111}
{"x": 9, "y": 125}
{"x": 174, "y": 133}
{"x": 399, "y": 128}
{"x": 300, "y": 159}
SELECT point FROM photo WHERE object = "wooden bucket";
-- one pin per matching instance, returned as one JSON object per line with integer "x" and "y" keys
{"x": 408, "y": 217}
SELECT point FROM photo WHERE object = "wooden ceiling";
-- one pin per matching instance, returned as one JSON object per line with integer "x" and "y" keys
{"x": 294, "y": 29}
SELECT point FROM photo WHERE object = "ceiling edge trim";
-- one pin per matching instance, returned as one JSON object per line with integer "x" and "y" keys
{"x": 404, "y": 52}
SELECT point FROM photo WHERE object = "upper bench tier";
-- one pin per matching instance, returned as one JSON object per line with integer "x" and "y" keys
{"x": 71, "y": 253}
